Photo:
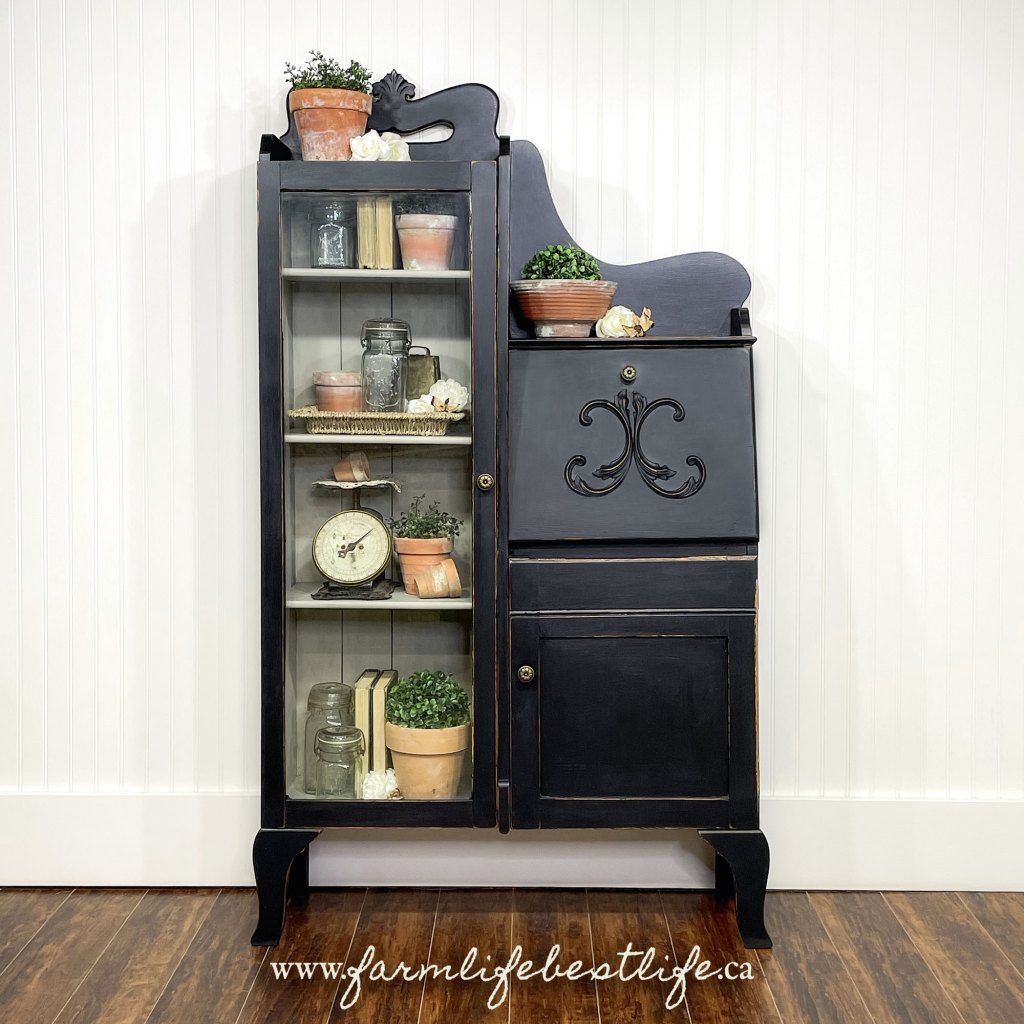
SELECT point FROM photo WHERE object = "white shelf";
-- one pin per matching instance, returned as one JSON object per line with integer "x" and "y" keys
{"x": 367, "y": 439}
{"x": 299, "y": 596}
{"x": 316, "y": 274}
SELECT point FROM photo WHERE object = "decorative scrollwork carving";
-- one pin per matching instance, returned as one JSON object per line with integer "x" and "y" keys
{"x": 393, "y": 88}
{"x": 632, "y": 410}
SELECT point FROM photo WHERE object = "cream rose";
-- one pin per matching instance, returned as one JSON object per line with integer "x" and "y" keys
{"x": 367, "y": 147}
{"x": 615, "y": 323}
{"x": 394, "y": 147}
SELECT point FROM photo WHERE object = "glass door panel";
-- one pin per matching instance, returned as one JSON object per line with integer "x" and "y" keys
{"x": 346, "y": 258}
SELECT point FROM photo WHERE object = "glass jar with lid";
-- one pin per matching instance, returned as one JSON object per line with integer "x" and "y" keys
{"x": 332, "y": 243}
{"x": 339, "y": 751}
{"x": 385, "y": 364}
{"x": 327, "y": 704}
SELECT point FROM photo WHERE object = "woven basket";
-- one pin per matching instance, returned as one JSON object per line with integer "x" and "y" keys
{"x": 427, "y": 424}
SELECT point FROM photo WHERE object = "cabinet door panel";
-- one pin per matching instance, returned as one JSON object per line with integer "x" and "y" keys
{"x": 633, "y": 720}
{"x": 633, "y": 716}
{"x": 668, "y": 455}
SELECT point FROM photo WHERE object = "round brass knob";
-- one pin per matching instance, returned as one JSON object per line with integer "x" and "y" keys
{"x": 628, "y": 373}
{"x": 485, "y": 481}
{"x": 526, "y": 674}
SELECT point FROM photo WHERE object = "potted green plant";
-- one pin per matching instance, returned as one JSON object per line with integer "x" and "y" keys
{"x": 424, "y": 537}
{"x": 426, "y": 232}
{"x": 561, "y": 291}
{"x": 426, "y": 729}
{"x": 330, "y": 105}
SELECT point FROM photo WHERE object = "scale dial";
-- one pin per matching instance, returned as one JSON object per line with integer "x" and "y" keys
{"x": 353, "y": 547}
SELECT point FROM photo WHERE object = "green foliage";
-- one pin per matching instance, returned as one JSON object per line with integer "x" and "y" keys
{"x": 323, "y": 72}
{"x": 419, "y": 523}
{"x": 427, "y": 700}
{"x": 561, "y": 263}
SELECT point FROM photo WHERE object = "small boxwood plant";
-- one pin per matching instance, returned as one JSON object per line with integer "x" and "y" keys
{"x": 323, "y": 72}
{"x": 419, "y": 523}
{"x": 427, "y": 700}
{"x": 561, "y": 263}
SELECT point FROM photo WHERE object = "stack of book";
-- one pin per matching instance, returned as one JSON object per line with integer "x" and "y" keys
{"x": 375, "y": 232}
{"x": 371, "y": 692}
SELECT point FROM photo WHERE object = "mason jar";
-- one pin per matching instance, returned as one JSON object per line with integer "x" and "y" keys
{"x": 385, "y": 364}
{"x": 339, "y": 753}
{"x": 332, "y": 242}
{"x": 327, "y": 704}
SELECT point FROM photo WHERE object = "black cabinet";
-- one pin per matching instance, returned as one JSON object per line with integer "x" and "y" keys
{"x": 609, "y": 490}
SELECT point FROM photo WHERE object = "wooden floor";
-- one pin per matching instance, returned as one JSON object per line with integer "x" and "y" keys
{"x": 119, "y": 956}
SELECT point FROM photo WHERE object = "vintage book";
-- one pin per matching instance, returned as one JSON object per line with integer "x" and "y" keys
{"x": 385, "y": 241}
{"x": 366, "y": 233}
{"x": 371, "y": 693}
{"x": 375, "y": 233}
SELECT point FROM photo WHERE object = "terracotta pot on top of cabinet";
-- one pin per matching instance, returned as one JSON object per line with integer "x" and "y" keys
{"x": 327, "y": 120}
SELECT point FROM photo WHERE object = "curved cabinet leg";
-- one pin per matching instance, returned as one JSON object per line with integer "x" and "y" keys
{"x": 280, "y": 860}
{"x": 724, "y": 888}
{"x": 744, "y": 856}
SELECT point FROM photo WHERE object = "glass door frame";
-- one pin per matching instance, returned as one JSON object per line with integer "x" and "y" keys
{"x": 479, "y": 178}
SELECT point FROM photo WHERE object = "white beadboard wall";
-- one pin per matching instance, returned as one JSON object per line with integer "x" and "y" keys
{"x": 863, "y": 159}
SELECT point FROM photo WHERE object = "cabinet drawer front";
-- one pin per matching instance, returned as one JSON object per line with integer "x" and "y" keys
{"x": 621, "y": 584}
{"x": 633, "y": 720}
{"x": 667, "y": 455}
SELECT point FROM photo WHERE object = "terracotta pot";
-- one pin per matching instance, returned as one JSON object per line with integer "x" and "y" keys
{"x": 427, "y": 762}
{"x": 564, "y": 309}
{"x": 352, "y": 468}
{"x": 441, "y": 580}
{"x": 415, "y": 555}
{"x": 452, "y": 573}
{"x": 338, "y": 390}
{"x": 327, "y": 120}
{"x": 426, "y": 240}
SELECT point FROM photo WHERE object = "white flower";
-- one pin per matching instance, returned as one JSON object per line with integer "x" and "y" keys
{"x": 615, "y": 322}
{"x": 367, "y": 147}
{"x": 394, "y": 147}
{"x": 380, "y": 785}
{"x": 449, "y": 396}
{"x": 372, "y": 146}
{"x": 420, "y": 405}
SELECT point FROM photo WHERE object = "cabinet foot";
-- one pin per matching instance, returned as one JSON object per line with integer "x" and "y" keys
{"x": 741, "y": 869}
{"x": 280, "y": 860}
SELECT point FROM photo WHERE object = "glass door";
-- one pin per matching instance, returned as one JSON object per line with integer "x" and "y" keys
{"x": 381, "y": 388}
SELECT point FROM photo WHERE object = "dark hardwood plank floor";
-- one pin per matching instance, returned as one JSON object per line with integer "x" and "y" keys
{"x": 322, "y": 930}
{"x": 975, "y": 973}
{"x": 618, "y": 919}
{"x": 697, "y": 920}
{"x": 396, "y": 927}
{"x": 107, "y": 956}
{"x": 63, "y": 952}
{"x": 468, "y": 919}
{"x": 540, "y": 918}
{"x": 22, "y": 913}
{"x": 893, "y": 978}
{"x": 131, "y": 972}
{"x": 807, "y": 976}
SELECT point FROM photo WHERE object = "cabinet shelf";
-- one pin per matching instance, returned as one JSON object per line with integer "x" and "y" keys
{"x": 318, "y": 274}
{"x": 299, "y": 596}
{"x": 449, "y": 439}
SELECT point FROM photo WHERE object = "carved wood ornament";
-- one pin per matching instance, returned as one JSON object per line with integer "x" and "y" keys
{"x": 631, "y": 409}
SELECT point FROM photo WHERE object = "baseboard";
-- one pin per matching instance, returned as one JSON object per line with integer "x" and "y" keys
{"x": 204, "y": 839}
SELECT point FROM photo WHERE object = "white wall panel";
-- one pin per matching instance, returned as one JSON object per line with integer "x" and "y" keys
{"x": 863, "y": 160}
